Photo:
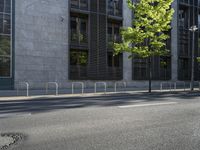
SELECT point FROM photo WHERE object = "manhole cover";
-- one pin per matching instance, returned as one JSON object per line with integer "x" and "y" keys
{"x": 10, "y": 139}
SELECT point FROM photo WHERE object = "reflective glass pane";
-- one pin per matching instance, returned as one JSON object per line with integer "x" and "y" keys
{"x": 74, "y": 34}
{"x": 6, "y": 24}
{"x": 1, "y": 5}
{"x": 83, "y": 30}
{"x": 4, "y": 45}
{"x": 7, "y": 6}
{"x": 1, "y": 23}
{"x": 4, "y": 67}
{"x": 78, "y": 58}
{"x": 84, "y": 4}
{"x": 74, "y": 3}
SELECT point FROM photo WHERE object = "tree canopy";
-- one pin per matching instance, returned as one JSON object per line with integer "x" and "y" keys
{"x": 150, "y": 26}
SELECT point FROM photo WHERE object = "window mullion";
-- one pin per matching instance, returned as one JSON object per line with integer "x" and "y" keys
{"x": 79, "y": 32}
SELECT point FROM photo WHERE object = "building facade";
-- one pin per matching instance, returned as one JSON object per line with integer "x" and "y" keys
{"x": 70, "y": 40}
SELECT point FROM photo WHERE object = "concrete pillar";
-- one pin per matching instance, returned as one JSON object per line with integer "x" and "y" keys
{"x": 174, "y": 42}
{"x": 41, "y": 41}
{"x": 127, "y": 63}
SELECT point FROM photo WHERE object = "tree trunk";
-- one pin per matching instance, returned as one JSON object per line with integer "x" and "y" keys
{"x": 150, "y": 73}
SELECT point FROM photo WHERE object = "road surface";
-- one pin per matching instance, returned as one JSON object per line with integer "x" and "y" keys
{"x": 126, "y": 122}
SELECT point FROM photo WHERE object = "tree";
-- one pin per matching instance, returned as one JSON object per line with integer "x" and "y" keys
{"x": 149, "y": 32}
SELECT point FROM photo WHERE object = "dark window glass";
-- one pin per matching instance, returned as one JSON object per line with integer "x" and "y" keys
{"x": 74, "y": 33}
{"x": 115, "y": 7}
{"x": 7, "y": 6}
{"x": 139, "y": 68}
{"x": 74, "y": 3}
{"x": 113, "y": 61}
{"x": 110, "y": 37}
{"x": 113, "y": 34}
{"x": 83, "y": 31}
{"x": 116, "y": 33}
{"x": 1, "y": 5}
{"x": 4, "y": 45}
{"x": 83, "y": 4}
{"x": 79, "y": 32}
{"x": 5, "y": 40}
{"x": 1, "y": 23}
{"x": 6, "y": 24}
{"x": 4, "y": 66}
{"x": 183, "y": 18}
{"x": 110, "y": 7}
{"x": 184, "y": 71}
{"x": 78, "y": 58}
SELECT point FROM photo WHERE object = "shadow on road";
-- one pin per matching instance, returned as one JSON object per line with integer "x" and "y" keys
{"x": 45, "y": 105}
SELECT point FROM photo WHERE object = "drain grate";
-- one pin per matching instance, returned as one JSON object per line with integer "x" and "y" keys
{"x": 16, "y": 139}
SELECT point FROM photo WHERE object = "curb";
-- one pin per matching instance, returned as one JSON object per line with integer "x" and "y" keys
{"x": 67, "y": 96}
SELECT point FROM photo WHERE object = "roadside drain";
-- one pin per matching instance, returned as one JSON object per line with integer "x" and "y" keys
{"x": 8, "y": 140}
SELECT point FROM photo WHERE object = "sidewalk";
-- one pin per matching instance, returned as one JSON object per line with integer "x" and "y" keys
{"x": 36, "y": 94}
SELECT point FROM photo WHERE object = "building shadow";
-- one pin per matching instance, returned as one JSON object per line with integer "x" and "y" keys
{"x": 46, "y": 105}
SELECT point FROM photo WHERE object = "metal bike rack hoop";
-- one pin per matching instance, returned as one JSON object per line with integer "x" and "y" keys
{"x": 47, "y": 86}
{"x": 103, "y": 83}
{"x": 116, "y": 83}
{"x": 27, "y": 87}
{"x": 80, "y": 83}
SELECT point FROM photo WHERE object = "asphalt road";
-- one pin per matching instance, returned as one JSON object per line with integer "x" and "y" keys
{"x": 127, "y": 122}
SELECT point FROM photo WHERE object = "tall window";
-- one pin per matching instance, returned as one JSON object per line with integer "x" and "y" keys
{"x": 79, "y": 30}
{"x": 183, "y": 18}
{"x": 113, "y": 33}
{"x": 78, "y": 64}
{"x": 115, "y": 7}
{"x": 5, "y": 38}
{"x": 183, "y": 31}
{"x": 184, "y": 66}
{"x": 114, "y": 61}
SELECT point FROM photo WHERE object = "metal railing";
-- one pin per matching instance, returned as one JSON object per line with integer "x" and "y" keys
{"x": 118, "y": 83}
{"x": 101, "y": 83}
{"x": 195, "y": 83}
{"x": 80, "y": 83}
{"x": 47, "y": 87}
{"x": 179, "y": 82}
{"x": 27, "y": 87}
{"x": 199, "y": 85}
{"x": 165, "y": 83}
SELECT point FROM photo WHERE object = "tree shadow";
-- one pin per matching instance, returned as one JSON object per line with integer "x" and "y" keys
{"x": 46, "y": 105}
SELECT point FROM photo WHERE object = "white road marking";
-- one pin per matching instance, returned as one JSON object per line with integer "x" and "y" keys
{"x": 12, "y": 115}
{"x": 74, "y": 105}
{"x": 143, "y": 105}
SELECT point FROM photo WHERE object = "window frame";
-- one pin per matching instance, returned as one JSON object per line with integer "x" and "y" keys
{"x": 11, "y": 40}
{"x": 79, "y": 20}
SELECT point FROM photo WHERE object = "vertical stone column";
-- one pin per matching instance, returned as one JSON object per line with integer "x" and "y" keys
{"x": 127, "y": 63}
{"x": 174, "y": 43}
{"x": 41, "y": 42}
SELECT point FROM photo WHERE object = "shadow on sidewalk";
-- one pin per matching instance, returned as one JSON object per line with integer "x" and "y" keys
{"x": 45, "y": 105}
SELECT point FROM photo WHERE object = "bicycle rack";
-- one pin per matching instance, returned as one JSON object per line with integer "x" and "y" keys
{"x": 197, "y": 83}
{"x": 175, "y": 84}
{"x": 103, "y": 83}
{"x": 117, "y": 83}
{"x": 80, "y": 83}
{"x": 47, "y": 87}
{"x": 27, "y": 88}
{"x": 162, "y": 83}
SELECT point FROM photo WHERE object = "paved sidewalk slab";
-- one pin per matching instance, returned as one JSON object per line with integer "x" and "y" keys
{"x": 61, "y": 96}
